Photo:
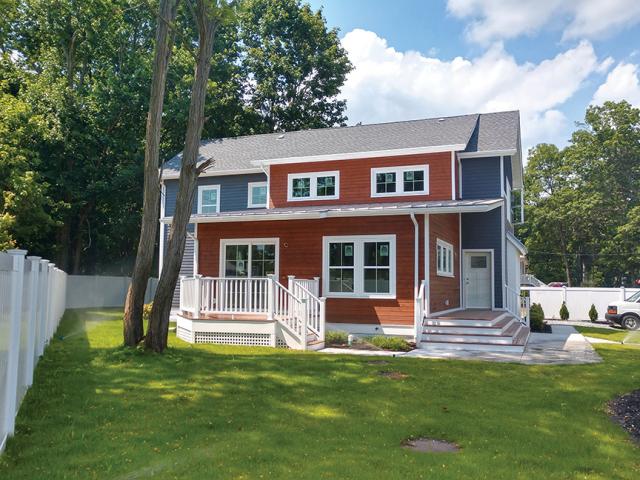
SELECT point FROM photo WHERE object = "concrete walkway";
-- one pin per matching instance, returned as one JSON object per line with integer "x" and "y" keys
{"x": 565, "y": 346}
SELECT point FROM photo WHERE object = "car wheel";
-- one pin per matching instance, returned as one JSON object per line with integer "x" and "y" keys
{"x": 630, "y": 322}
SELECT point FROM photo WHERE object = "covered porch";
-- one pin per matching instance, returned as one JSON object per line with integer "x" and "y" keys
{"x": 251, "y": 311}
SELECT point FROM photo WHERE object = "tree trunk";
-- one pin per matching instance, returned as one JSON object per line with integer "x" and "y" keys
{"x": 158, "y": 330}
{"x": 133, "y": 324}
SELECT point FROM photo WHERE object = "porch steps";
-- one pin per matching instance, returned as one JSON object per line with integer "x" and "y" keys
{"x": 504, "y": 333}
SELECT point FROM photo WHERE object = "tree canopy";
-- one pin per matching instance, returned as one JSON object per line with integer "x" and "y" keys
{"x": 582, "y": 221}
{"x": 74, "y": 87}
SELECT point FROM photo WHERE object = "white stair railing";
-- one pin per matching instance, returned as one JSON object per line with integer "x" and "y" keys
{"x": 525, "y": 306}
{"x": 315, "y": 307}
{"x": 512, "y": 302}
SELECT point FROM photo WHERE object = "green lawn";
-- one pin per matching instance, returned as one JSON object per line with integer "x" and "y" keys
{"x": 616, "y": 335}
{"x": 98, "y": 411}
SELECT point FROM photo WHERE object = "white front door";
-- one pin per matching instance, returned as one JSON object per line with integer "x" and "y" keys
{"x": 477, "y": 279}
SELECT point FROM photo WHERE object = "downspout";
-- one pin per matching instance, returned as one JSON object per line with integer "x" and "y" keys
{"x": 416, "y": 257}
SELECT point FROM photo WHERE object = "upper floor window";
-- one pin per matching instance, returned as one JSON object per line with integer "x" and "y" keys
{"x": 444, "y": 258}
{"x": 390, "y": 181}
{"x": 257, "y": 195}
{"x": 208, "y": 199}
{"x": 314, "y": 186}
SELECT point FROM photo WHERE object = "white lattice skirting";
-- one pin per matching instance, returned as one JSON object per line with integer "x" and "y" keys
{"x": 230, "y": 338}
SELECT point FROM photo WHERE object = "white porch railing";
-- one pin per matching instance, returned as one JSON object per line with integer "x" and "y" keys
{"x": 512, "y": 301}
{"x": 297, "y": 308}
{"x": 312, "y": 285}
{"x": 525, "y": 306}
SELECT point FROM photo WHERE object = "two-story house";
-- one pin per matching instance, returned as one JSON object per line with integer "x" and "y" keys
{"x": 402, "y": 228}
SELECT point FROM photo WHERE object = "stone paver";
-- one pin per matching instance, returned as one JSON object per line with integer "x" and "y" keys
{"x": 565, "y": 346}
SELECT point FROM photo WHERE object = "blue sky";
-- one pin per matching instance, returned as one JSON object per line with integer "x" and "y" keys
{"x": 547, "y": 58}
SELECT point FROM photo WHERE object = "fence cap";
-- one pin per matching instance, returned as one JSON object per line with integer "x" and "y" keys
{"x": 16, "y": 251}
{"x": 44, "y": 261}
{"x": 34, "y": 258}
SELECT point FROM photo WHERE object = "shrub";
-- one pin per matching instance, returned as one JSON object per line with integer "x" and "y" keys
{"x": 536, "y": 318}
{"x": 564, "y": 312}
{"x": 396, "y": 344}
{"x": 593, "y": 313}
{"x": 146, "y": 311}
{"x": 335, "y": 337}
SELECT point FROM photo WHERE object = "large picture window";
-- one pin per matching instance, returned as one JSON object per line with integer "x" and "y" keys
{"x": 397, "y": 181}
{"x": 314, "y": 186}
{"x": 444, "y": 258}
{"x": 359, "y": 266}
{"x": 253, "y": 258}
{"x": 208, "y": 199}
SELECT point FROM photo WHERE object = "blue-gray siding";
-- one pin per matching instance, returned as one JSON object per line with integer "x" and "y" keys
{"x": 480, "y": 178}
{"x": 507, "y": 171}
{"x": 483, "y": 231}
{"x": 187, "y": 266}
{"x": 233, "y": 191}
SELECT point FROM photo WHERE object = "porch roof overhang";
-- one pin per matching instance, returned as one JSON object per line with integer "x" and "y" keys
{"x": 360, "y": 210}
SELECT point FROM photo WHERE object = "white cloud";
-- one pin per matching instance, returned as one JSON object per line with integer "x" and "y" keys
{"x": 500, "y": 19}
{"x": 622, "y": 83}
{"x": 390, "y": 85}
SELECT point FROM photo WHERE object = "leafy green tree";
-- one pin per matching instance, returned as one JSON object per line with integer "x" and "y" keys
{"x": 294, "y": 66}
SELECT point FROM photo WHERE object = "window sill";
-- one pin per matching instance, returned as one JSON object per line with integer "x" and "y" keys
{"x": 311, "y": 199}
{"x": 256, "y": 206}
{"x": 398, "y": 194}
{"x": 444, "y": 274}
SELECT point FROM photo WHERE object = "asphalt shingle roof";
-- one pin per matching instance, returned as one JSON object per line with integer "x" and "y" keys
{"x": 478, "y": 132}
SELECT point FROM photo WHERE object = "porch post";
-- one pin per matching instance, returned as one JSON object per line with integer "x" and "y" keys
{"x": 323, "y": 314}
{"x": 305, "y": 320}
{"x": 197, "y": 295}
{"x": 270, "y": 296}
{"x": 316, "y": 283}
{"x": 290, "y": 281}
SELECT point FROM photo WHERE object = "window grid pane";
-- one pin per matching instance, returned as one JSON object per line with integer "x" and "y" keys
{"x": 326, "y": 186}
{"x": 386, "y": 182}
{"x": 414, "y": 181}
{"x": 259, "y": 195}
{"x": 301, "y": 187}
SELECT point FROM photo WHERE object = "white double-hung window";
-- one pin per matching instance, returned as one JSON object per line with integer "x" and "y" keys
{"x": 257, "y": 196}
{"x": 359, "y": 266}
{"x": 397, "y": 181}
{"x": 313, "y": 186}
{"x": 208, "y": 199}
{"x": 444, "y": 257}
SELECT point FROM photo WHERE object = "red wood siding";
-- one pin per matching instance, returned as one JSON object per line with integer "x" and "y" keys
{"x": 301, "y": 255}
{"x": 355, "y": 179}
{"x": 444, "y": 289}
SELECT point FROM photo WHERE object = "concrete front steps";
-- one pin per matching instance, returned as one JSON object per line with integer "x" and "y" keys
{"x": 503, "y": 333}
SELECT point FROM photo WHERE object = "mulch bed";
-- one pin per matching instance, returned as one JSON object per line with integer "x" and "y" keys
{"x": 393, "y": 375}
{"x": 625, "y": 410}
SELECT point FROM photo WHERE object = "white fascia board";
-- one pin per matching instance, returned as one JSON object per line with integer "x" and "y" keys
{"x": 488, "y": 153}
{"x": 359, "y": 155}
{"x": 215, "y": 173}
{"x": 310, "y": 215}
{"x": 517, "y": 243}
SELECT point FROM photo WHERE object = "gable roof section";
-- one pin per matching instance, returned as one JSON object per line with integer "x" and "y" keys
{"x": 474, "y": 132}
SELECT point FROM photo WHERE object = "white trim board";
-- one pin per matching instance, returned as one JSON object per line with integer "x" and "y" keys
{"x": 359, "y": 155}
{"x": 215, "y": 173}
{"x": 313, "y": 185}
{"x": 250, "y": 187}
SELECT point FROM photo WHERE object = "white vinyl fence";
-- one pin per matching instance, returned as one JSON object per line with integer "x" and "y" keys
{"x": 578, "y": 300}
{"x": 93, "y": 291}
{"x": 32, "y": 301}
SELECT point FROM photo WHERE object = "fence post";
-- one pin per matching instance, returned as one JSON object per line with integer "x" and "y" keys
{"x": 271, "y": 297}
{"x": 564, "y": 294}
{"x": 623, "y": 293}
{"x": 34, "y": 266}
{"x": 13, "y": 357}
{"x": 42, "y": 307}
{"x": 50, "y": 296}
